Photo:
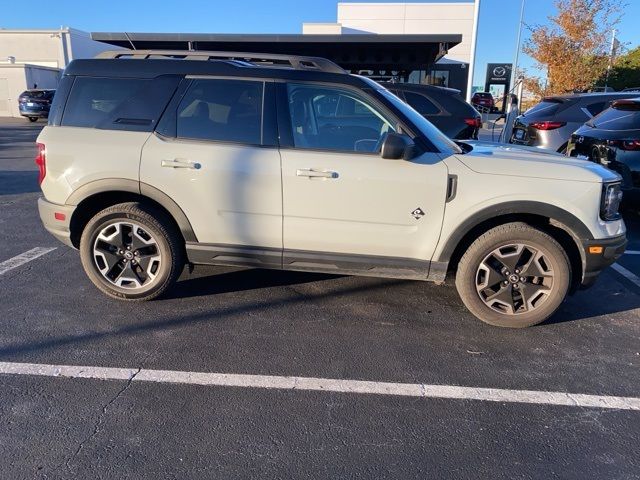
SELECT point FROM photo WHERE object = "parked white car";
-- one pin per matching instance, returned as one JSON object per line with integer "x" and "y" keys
{"x": 282, "y": 162}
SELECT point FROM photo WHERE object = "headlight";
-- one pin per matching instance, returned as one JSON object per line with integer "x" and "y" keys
{"x": 611, "y": 198}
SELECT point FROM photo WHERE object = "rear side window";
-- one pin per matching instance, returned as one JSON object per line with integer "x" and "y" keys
{"x": 617, "y": 119}
{"x": 222, "y": 110}
{"x": 118, "y": 103}
{"x": 421, "y": 104}
{"x": 544, "y": 108}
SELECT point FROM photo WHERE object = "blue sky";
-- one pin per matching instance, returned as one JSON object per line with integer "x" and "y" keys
{"x": 496, "y": 41}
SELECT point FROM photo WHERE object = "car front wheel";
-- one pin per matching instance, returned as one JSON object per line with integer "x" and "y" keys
{"x": 514, "y": 275}
{"x": 131, "y": 252}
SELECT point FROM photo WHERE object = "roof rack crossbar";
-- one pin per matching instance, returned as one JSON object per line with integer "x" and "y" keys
{"x": 297, "y": 62}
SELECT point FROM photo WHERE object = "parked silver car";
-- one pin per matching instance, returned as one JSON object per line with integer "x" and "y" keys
{"x": 550, "y": 123}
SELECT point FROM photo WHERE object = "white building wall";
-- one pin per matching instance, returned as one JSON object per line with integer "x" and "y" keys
{"x": 49, "y": 48}
{"x": 38, "y": 57}
{"x": 36, "y": 47}
{"x": 42, "y": 77}
{"x": 83, "y": 47}
{"x": 322, "y": 28}
{"x": 411, "y": 18}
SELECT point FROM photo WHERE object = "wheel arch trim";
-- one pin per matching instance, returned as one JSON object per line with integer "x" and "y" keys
{"x": 558, "y": 216}
{"x": 107, "y": 185}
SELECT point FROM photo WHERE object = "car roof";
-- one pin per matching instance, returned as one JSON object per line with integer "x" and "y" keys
{"x": 154, "y": 67}
{"x": 627, "y": 101}
{"x": 573, "y": 96}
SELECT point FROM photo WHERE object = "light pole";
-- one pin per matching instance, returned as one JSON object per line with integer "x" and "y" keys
{"x": 514, "y": 69}
{"x": 474, "y": 41}
{"x": 612, "y": 52}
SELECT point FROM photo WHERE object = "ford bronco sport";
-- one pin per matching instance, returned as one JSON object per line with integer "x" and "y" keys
{"x": 157, "y": 159}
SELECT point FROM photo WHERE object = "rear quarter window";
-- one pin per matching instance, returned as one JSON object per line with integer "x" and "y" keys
{"x": 118, "y": 103}
{"x": 421, "y": 104}
{"x": 596, "y": 108}
{"x": 544, "y": 108}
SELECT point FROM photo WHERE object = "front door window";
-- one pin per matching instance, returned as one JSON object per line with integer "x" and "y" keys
{"x": 327, "y": 118}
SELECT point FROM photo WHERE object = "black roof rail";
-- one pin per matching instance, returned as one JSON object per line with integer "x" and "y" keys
{"x": 296, "y": 62}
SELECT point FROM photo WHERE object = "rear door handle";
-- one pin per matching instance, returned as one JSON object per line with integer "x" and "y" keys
{"x": 179, "y": 163}
{"x": 311, "y": 173}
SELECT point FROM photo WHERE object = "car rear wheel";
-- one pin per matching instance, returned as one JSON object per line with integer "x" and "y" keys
{"x": 514, "y": 275}
{"x": 131, "y": 252}
{"x": 33, "y": 119}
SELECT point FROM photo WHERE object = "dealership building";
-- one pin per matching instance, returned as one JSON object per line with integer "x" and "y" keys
{"x": 414, "y": 42}
{"x": 412, "y": 19}
{"x": 36, "y": 58}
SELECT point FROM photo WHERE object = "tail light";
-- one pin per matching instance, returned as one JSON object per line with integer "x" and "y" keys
{"x": 547, "y": 125}
{"x": 632, "y": 145}
{"x": 474, "y": 122}
{"x": 41, "y": 162}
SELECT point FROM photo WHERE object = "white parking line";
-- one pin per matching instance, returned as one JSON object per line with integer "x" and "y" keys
{"x": 632, "y": 252}
{"x": 325, "y": 385}
{"x": 629, "y": 275}
{"x": 23, "y": 258}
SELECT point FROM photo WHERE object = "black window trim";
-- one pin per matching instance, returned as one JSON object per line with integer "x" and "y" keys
{"x": 59, "y": 102}
{"x": 284, "y": 118}
{"x": 167, "y": 125}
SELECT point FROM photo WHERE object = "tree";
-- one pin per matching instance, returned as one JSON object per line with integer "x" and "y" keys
{"x": 625, "y": 72}
{"x": 573, "y": 49}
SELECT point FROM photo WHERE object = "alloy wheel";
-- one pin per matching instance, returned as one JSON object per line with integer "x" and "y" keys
{"x": 514, "y": 279}
{"x": 127, "y": 255}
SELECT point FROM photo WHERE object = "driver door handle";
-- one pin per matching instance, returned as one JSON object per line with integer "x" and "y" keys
{"x": 311, "y": 173}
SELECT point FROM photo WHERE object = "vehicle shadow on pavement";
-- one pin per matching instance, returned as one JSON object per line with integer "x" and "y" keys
{"x": 16, "y": 182}
{"x": 608, "y": 296}
{"x": 205, "y": 317}
{"x": 241, "y": 280}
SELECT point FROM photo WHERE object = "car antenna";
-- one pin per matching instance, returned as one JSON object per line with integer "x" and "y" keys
{"x": 133, "y": 47}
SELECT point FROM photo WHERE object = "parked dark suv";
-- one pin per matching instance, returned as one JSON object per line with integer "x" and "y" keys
{"x": 35, "y": 104}
{"x": 550, "y": 123}
{"x": 444, "y": 107}
{"x": 612, "y": 139}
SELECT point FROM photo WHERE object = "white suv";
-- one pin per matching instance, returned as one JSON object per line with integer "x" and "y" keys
{"x": 156, "y": 159}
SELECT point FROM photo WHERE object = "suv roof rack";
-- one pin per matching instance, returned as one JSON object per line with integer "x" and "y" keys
{"x": 296, "y": 62}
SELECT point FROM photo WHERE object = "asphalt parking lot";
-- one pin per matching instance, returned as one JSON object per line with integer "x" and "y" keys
{"x": 123, "y": 416}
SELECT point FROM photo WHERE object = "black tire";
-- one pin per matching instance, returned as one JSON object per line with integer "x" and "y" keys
{"x": 167, "y": 241}
{"x": 470, "y": 274}
{"x": 33, "y": 119}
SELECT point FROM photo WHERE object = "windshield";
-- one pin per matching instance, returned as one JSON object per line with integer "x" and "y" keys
{"x": 443, "y": 143}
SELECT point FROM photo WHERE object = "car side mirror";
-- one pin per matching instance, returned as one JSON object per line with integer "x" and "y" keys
{"x": 397, "y": 146}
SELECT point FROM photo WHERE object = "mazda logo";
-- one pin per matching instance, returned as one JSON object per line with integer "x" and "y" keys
{"x": 499, "y": 72}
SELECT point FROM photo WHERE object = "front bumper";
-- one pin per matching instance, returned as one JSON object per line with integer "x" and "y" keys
{"x": 56, "y": 219}
{"x": 594, "y": 263}
{"x": 25, "y": 112}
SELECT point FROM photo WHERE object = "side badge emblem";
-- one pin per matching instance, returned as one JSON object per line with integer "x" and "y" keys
{"x": 417, "y": 213}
